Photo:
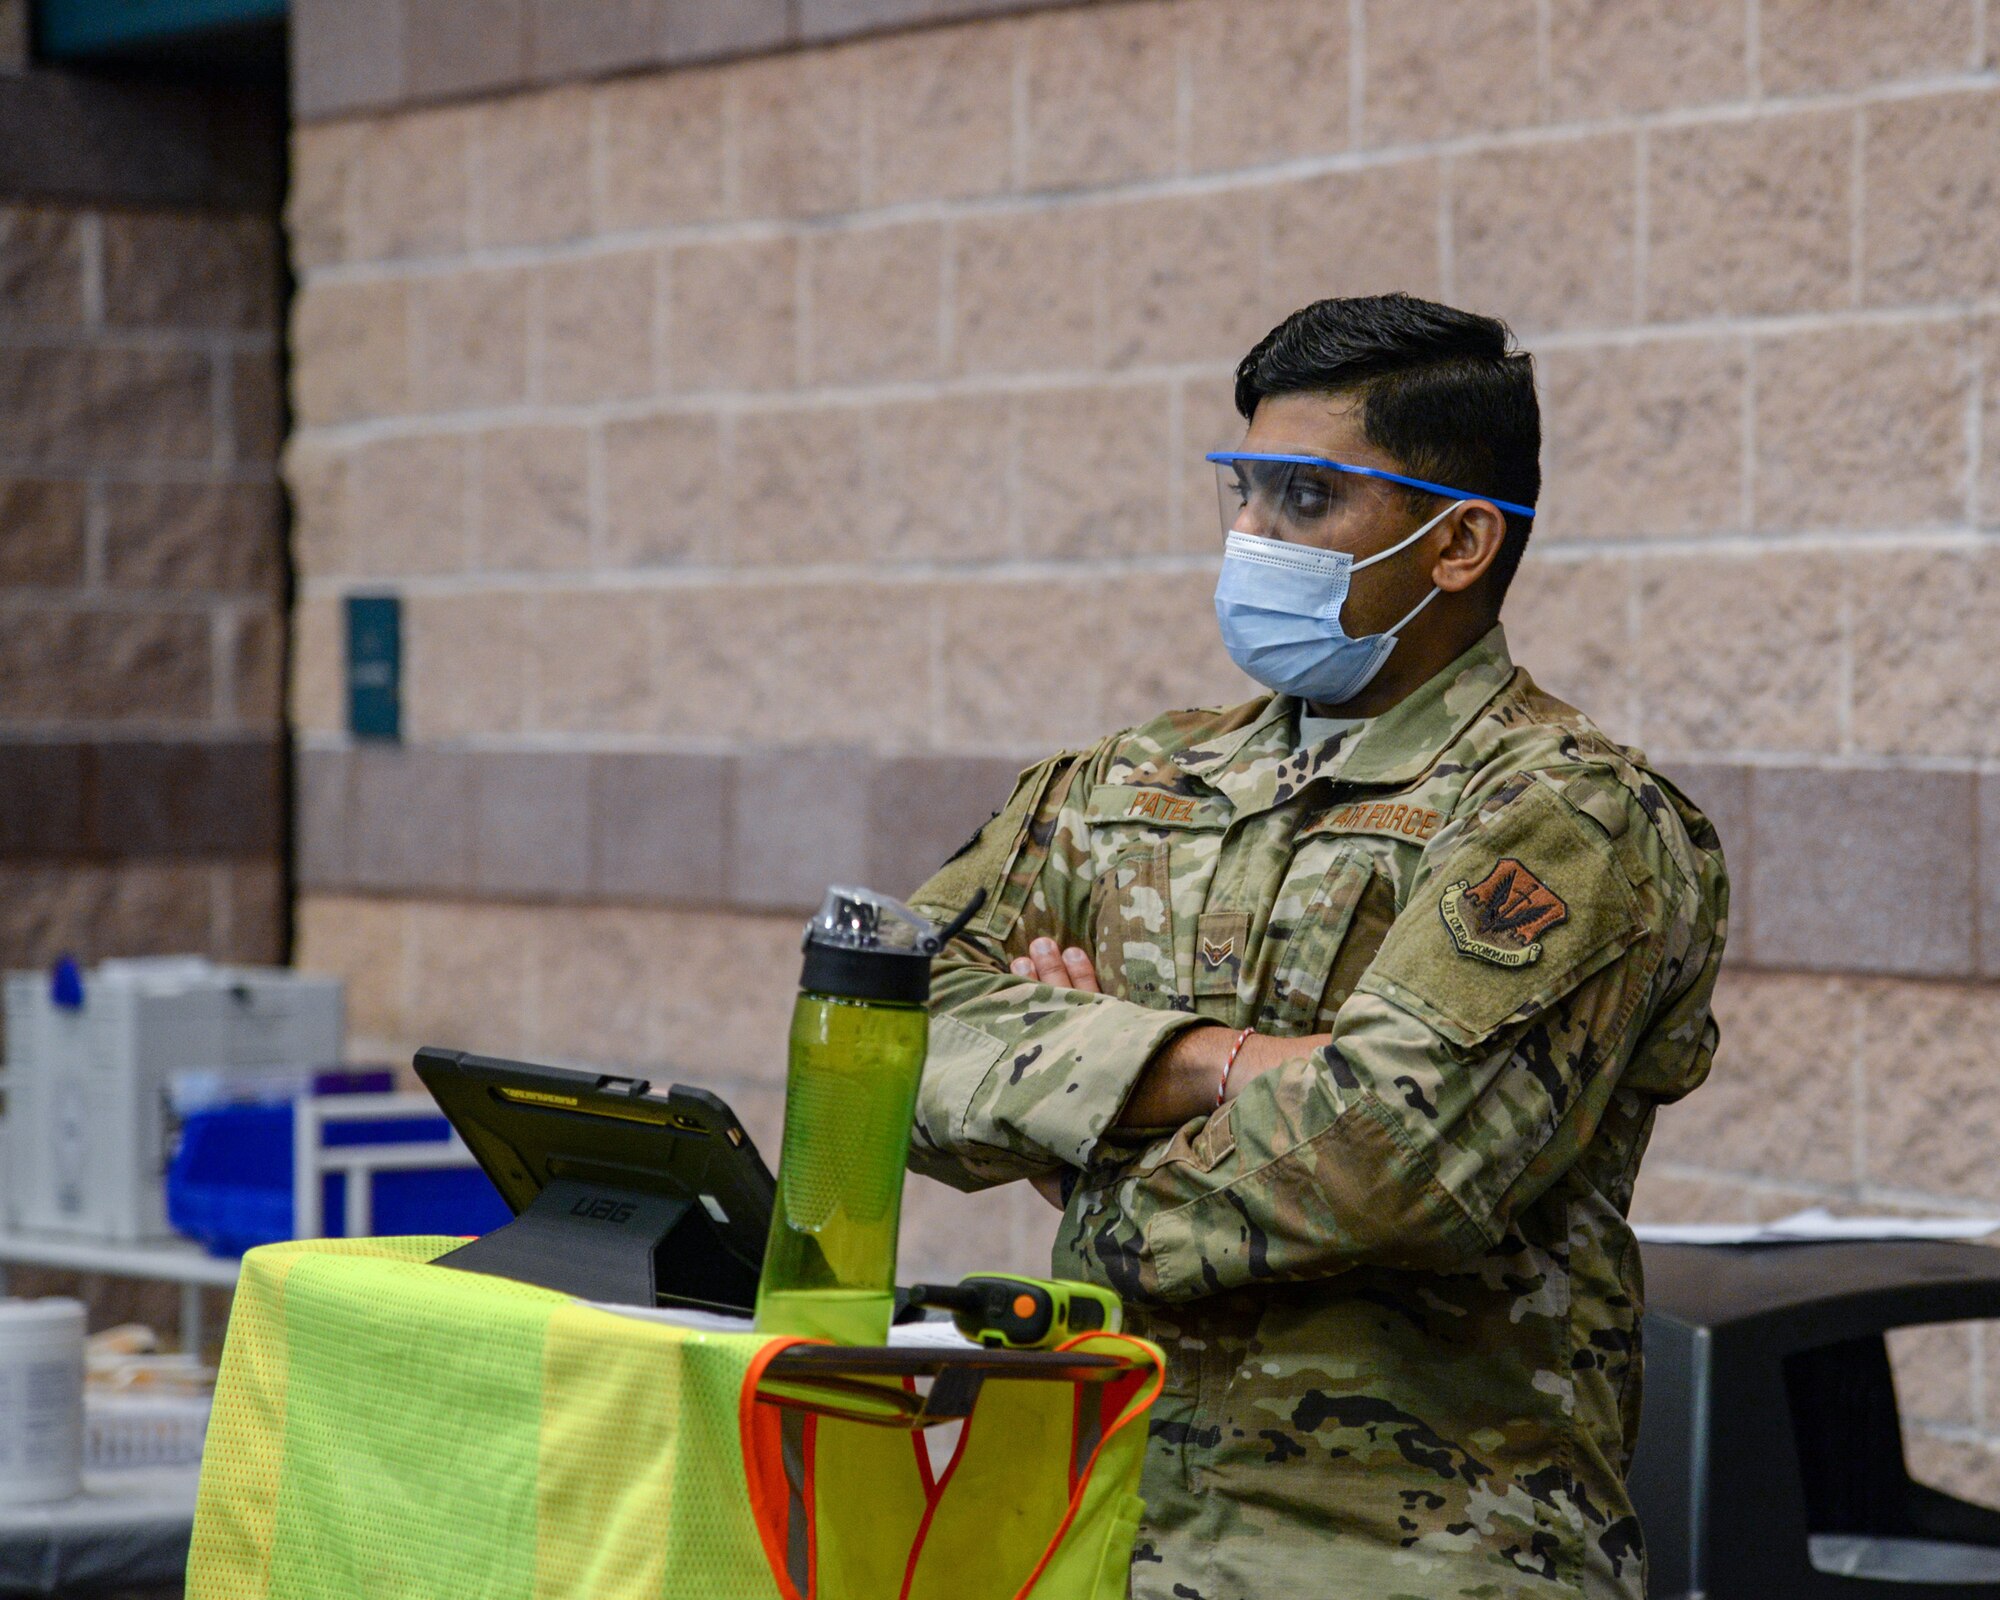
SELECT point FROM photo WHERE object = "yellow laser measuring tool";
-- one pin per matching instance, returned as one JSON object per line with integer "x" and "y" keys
{"x": 1005, "y": 1312}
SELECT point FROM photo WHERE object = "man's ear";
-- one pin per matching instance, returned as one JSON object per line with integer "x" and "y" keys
{"x": 1477, "y": 531}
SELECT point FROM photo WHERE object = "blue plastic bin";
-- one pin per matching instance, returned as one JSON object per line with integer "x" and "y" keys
{"x": 229, "y": 1184}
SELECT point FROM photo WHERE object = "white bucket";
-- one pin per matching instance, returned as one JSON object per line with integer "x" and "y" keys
{"x": 41, "y": 1400}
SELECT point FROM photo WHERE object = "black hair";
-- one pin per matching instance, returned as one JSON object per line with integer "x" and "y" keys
{"x": 1443, "y": 391}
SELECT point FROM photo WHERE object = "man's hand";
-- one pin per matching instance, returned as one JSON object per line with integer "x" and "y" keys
{"x": 1059, "y": 969}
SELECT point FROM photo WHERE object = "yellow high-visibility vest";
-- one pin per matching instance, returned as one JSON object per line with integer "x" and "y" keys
{"x": 385, "y": 1429}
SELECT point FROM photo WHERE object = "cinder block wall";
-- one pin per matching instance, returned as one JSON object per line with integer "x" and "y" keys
{"x": 772, "y": 452}
{"x": 141, "y": 537}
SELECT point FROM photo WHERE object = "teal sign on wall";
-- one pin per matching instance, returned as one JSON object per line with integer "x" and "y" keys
{"x": 375, "y": 666}
{"x": 87, "y": 27}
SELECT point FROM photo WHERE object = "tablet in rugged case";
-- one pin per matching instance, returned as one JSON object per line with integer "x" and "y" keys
{"x": 620, "y": 1193}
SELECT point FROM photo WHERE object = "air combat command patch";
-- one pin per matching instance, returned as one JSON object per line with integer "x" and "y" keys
{"x": 1502, "y": 917}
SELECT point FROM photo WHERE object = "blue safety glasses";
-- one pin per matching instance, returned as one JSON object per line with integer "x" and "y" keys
{"x": 1300, "y": 497}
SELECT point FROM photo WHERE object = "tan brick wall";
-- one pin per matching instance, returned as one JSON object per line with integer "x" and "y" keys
{"x": 853, "y": 397}
{"x": 141, "y": 582}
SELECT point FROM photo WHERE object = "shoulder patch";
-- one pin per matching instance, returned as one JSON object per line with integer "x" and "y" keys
{"x": 1502, "y": 917}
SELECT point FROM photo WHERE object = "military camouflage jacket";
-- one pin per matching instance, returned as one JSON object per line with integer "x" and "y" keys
{"x": 1394, "y": 1277}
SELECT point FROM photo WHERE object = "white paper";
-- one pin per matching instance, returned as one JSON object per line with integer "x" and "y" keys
{"x": 1817, "y": 1225}
{"x": 910, "y": 1336}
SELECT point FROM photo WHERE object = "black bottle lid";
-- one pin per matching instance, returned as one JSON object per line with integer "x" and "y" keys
{"x": 867, "y": 946}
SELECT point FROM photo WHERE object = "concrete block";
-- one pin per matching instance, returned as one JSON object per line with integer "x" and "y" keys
{"x": 1814, "y": 46}
{"x": 351, "y": 350}
{"x": 667, "y": 499}
{"x": 594, "y": 661}
{"x": 1925, "y": 682}
{"x": 1781, "y": 1102}
{"x": 1027, "y": 289}
{"x": 1750, "y": 218}
{"x": 347, "y": 55}
{"x": 411, "y": 189}
{"x": 600, "y": 327}
{"x": 323, "y": 819}
{"x": 569, "y": 41}
{"x": 531, "y": 824}
{"x": 1610, "y": 58}
{"x": 403, "y": 509}
{"x": 1177, "y": 286}
{"x": 940, "y": 484}
{"x": 1101, "y": 97}
{"x": 139, "y": 666}
{"x": 44, "y": 522}
{"x": 800, "y": 823}
{"x": 1926, "y": 1051}
{"x": 703, "y": 30}
{"x": 1576, "y": 198}
{"x": 412, "y": 825}
{"x": 148, "y": 797}
{"x": 664, "y": 148}
{"x": 1834, "y": 889}
{"x": 1420, "y": 89}
{"x": 1265, "y": 53}
{"x": 923, "y": 808}
{"x": 799, "y": 488}
{"x": 462, "y": 47}
{"x": 41, "y": 265}
{"x": 533, "y": 500}
{"x": 1930, "y": 161}
{"x": 215, "y": 537}
{"x": 1739, "y": 653}
{"x": 799, "y": 134}
{"x": 875, "y": 294}
{"x": 190, "y": 270}
{"x": 660, "y": 827}
{"x": 1096, "y": 470}
{"x": 1642, "y": 439}
{"x": 734, "y": 317}
{"x": 466, "y": 660}
{"x": 1365, "y": 232}
{"x": 534, "y": 167}
{"x": 941, "y": 114}
{"x": 470, "y": 340}
{"x": 42, "y": 800}
{"x": 1862, "y": 428}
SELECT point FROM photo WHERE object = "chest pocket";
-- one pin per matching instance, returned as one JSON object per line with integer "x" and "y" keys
{"x": 1131, "y": 919}
{"x": 1310, "y": 922}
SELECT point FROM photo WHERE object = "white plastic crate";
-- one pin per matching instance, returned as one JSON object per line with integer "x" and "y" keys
{"x": 143, "y": 1430}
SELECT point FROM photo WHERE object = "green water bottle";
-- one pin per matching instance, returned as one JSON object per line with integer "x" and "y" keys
{"x": 859, "y": 1033}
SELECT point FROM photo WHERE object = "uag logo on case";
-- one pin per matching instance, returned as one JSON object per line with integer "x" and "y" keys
{"x": 1502, "y": 917}
{"x": 603, "y": 1210}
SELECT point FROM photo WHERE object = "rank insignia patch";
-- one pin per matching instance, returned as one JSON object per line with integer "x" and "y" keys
{"x": 1502, "y": 917}
{"x": 1215, "y": 954}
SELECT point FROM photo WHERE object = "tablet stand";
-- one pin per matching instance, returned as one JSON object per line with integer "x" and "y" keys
{"x": 618, "y": 1246}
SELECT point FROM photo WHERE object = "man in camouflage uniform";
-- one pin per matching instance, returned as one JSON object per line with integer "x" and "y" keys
{"x": 1340, "y": 1028}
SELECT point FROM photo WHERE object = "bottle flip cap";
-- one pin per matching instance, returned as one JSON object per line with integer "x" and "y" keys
{"x": 870, "y": 946}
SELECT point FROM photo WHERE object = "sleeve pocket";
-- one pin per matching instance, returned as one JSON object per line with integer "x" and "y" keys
{"x": 1530, "y": 902}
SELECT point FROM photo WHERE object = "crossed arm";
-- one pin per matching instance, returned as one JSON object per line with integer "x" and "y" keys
{"x": 1185, "y": 1078}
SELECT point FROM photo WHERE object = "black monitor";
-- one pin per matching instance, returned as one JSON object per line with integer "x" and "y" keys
{"x": 620, "y": 1193}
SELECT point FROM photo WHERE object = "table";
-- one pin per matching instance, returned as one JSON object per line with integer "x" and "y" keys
{"x": 127, "y": 1529}
{"x": 170, "y": 1261}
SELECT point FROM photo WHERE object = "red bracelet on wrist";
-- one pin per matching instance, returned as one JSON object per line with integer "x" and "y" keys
{"x": 1229, "y": 1066}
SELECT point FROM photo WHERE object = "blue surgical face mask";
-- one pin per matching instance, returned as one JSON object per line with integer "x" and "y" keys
{"x": 1279, "y": 606}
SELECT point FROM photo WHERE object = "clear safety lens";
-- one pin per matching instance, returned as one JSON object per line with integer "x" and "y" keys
{"x": 1300, "y": 502}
